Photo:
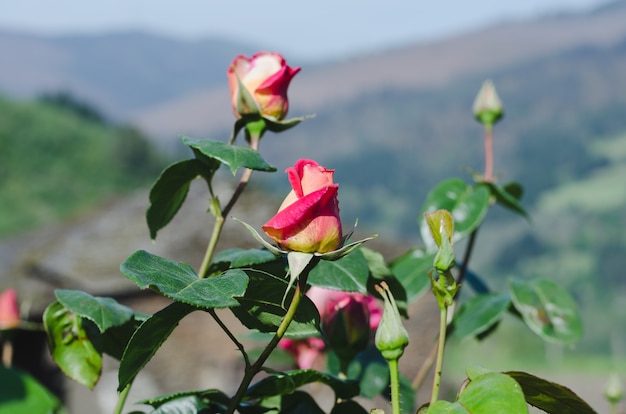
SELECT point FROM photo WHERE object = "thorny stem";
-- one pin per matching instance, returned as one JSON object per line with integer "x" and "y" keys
{"x": 254, "y": 369}
{"x": 219, "y": 215}
{"x": 443, "y": 323}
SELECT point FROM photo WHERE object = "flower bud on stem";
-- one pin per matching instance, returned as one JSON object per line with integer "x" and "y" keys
{"x": 391, "y": 339}
{"x": 445, "y": 288}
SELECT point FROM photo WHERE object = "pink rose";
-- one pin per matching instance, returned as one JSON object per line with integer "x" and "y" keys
{"x": 305, "y": 351}
{"x": 266, "y": 77}
{"x": 348, "y": 320}
{"x": 308, "y": 220}
{"x": 9, "y": 309}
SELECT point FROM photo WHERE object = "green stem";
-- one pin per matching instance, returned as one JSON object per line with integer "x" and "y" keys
{"x": 394, "y": 375}
{"x": 258, "y": 364}
{"x": 210, "y": 249}
{"x": 219, "y": 215}
{"x": 121, "y": 399}
{"x": 466, "y": 258}
{"x": 232, "y": 337}
{"x": 443, "y": 323}
{"x": 488, "y": 153}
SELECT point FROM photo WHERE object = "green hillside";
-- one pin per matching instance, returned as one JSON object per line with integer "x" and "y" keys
{"x": 55, "y": 162}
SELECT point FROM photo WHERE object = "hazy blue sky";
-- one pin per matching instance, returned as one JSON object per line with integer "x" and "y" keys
{"x": 312, "y": 29}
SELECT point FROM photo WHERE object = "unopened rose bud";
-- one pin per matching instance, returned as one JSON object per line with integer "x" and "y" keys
{"x": 487, "y": 105}
{"x": 614, "y": 390}
{"x": 308, "y": 219}
{"x": 347, "y": 326}
{"x": 391, "y": 336}
{"x": 265, "y": 77}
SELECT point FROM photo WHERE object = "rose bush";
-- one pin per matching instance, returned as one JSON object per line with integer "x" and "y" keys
{"x": 266, "y": 77}
{"x": 308, "y": 219}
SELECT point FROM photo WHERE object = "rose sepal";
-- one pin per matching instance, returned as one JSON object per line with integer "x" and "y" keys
{"x": 344, "y": 250}
{"x": 337, "y": 254}
{"x": 271, "y": 124}
{"x": 260, "y": 239}
{"x": 280, "y": 126}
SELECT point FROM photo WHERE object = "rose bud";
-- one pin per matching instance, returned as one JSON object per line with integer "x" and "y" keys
{"x": 9, "y": 310}
{"x": 347, "y": 325}
{"x": 266, "y": 78}
{"x": 308, "y": 220}
{"x": 487, "y": 105}
{"x": 391, "y": 336}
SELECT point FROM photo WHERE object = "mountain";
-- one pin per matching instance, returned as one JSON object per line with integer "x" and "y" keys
{"x": 422, "y": 66}
{"x": 118, "y": 72}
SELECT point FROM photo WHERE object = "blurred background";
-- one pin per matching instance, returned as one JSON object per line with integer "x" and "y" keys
{"x": 94, "y": 98}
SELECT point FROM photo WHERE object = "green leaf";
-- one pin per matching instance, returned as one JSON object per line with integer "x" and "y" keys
{"x": 467, "y": 204}
{"x": 280, "y": 126}
{"x": 288, "y": 382}
{"x": 75, "y": 344}
{"x": 488, "y": 394}
{"x": 115, "y": 339}
{"x": 184, "y": 405}
{"x": 207, "y": 401}
{"x": 548, "y": 396}
{"x": 205, "y": 395}
{"x": 178, "y": 281}
{"x": 148, "y": 338}
{"x": 372, "y": 372}
{"x": 238, "y": 258}
{"x": 104, "y": 312}
{"x": 349, "y": 273}
{"x": 508, "y": 196}
{"x": 234, "y": 157}
{"x": 348, "y": 407}
{"x": 170, "y": 190}
{"x": 548, "y": 310}
{"x": 445, "y": 407}
{"x": 22, "y": 394}
{"x": 299, "y": 402}
{"x": 479, "y": 314}
{"x": 412, "y": 269}
{"x": 262, "y": 307}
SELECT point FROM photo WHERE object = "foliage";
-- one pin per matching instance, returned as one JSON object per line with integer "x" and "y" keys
{"x": 43, "y": 147}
